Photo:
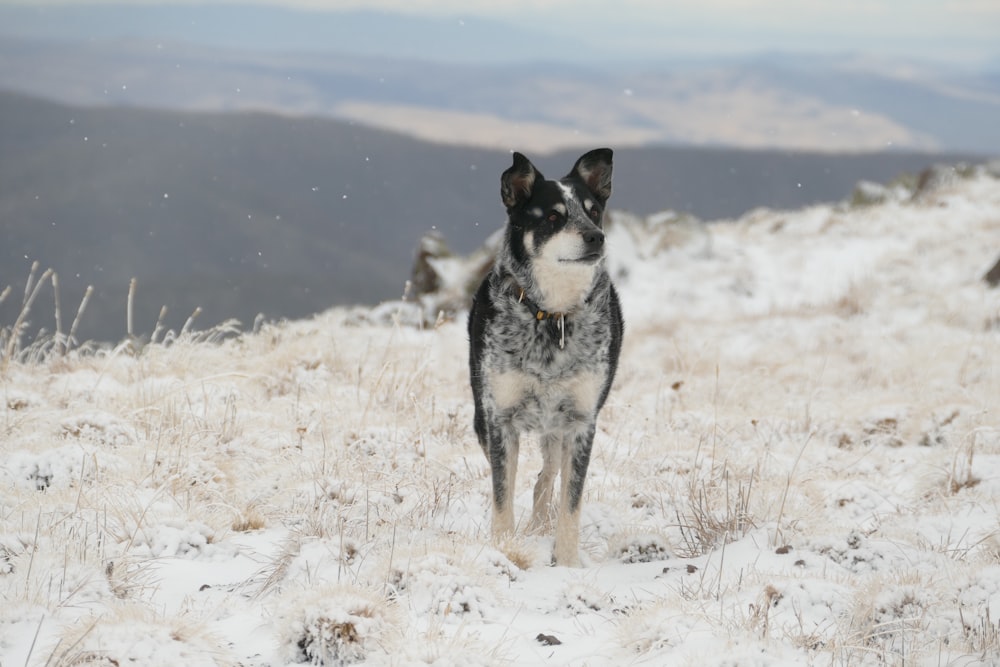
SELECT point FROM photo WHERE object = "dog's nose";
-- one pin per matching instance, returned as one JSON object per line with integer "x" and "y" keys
{"x": 593, "y": 239}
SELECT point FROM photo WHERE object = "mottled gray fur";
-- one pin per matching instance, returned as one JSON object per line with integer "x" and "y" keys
{"x": 545, "y": 333}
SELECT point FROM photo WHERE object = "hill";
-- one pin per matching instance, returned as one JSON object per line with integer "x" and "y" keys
{"x": 237, "y": 213}
{"x": 247, "y": 213}
{"x": 799, "y": 464}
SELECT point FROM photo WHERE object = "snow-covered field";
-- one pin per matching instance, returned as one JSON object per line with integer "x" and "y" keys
{"x": 799, "y": 464}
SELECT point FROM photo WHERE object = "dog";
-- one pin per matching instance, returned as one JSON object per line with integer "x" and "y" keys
{"x": 545, "y": 332}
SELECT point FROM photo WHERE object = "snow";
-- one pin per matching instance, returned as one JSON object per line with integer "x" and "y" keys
{"x": 799, "y": 464}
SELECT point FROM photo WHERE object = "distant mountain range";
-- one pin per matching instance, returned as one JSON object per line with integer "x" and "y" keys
{"x": 391, "y": 71}
{"x": 247, "y": 213}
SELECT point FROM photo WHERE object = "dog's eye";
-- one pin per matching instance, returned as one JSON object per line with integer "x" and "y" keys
{"x": 553, "y": 216}
{"x": 595, "y": 212}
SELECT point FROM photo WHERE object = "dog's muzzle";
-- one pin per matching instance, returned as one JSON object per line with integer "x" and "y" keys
{"x": 593, "y": 246}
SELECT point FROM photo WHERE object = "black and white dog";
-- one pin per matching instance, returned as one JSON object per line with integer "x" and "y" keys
{"x": 545, "y": 331}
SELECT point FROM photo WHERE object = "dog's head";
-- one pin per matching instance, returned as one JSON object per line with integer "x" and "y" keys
{"x": 555, "y": 236}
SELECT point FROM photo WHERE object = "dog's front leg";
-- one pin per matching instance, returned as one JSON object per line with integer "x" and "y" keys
{"x": 575, "y": 459}
{"x": 541, "y": 510}
{"x": 503, "y": 447}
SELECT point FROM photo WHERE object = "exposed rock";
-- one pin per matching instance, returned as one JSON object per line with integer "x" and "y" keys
{"x": 441, "y": 283}
{"x": 992, "y": 276}
{"x": 423, "y": 278}
{"x": 941, "y": 175}
{"x": 867, "y": 193}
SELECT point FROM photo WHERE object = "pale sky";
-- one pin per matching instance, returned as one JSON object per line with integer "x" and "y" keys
{"x": 951, "y": 30}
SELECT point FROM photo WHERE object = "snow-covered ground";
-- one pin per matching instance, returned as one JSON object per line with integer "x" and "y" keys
{"x": 799, "y": 464}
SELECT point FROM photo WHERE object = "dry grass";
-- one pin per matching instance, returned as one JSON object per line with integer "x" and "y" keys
{"x": 787, "y": 480}
{"x": 718, "y": 512}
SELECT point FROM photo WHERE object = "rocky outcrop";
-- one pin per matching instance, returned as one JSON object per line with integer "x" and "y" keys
{"x": 992, "y": 276}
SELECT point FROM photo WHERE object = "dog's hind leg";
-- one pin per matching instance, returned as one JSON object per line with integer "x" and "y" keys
{"x": 503, "y": 448}
{"x": 541, "y": 511}
{"x": 575, "y": 460}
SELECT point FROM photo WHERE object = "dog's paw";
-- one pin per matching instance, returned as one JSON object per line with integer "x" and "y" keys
{"x": 566, "y": 557}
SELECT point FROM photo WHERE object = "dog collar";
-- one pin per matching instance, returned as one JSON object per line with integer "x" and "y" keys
{"x": 540, "y": 315}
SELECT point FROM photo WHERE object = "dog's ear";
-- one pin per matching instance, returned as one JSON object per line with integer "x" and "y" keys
{"x": 517, "y": 182}
{"x": 594, "y": 169}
